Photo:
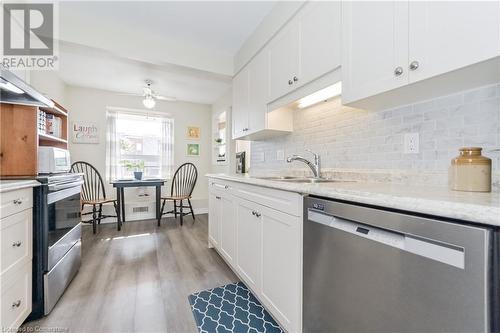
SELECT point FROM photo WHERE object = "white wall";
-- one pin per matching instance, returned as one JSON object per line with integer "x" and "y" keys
{"x": 90, "y": 105}
{"x": 49, "y": 84}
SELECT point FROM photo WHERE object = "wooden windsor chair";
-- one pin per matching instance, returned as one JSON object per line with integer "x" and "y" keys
{"x": 183, "y": 184}
{"x": 93, "y": 193}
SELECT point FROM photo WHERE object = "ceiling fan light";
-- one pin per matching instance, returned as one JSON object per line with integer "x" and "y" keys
{"x": 149, "y": 102}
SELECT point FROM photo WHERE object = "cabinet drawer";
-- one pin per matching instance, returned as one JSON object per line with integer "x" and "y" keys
{"x": 16, "y": 297}
{"x": 287, "y": 202}
{"x": 220, "y": 186}
{"x": 15, "y": 201}
{"x": 15, "y": 239}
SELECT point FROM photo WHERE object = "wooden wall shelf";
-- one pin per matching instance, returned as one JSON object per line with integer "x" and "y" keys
{"x": 20, "y": 137}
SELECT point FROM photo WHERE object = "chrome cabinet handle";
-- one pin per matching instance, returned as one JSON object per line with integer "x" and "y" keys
{"x": 257, "y": 214}
{"x": 414, "y": 65}
{"x": 398, "y": 71}
{"x": 253, "y": 212}
{"x": 17, "y": 244}
{"x": 218, "y": 198}
{"x": 245, "y": 129}
{"x": 295, "y": 79}
{"x": 290, "y": 82}
{"x": 226, "y": 186}
{"x": 18, "y": 201}
{"x": 16, "y": 304}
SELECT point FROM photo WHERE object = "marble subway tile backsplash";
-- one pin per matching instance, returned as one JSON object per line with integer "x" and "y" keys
{"x": 351, "y": 139}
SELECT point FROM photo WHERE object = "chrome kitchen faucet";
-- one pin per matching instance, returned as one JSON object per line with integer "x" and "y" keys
{"x": 314, "y": 166}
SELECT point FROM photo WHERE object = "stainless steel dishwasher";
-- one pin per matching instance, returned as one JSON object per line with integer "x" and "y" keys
{"x": 374, "y": 270}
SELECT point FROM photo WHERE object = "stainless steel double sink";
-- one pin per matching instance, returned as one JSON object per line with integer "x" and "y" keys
{"x": 290, "y": 179}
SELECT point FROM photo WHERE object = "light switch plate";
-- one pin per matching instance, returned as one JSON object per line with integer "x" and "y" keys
{"x": 411, "y": 143}
{"x": 280, "y": 155}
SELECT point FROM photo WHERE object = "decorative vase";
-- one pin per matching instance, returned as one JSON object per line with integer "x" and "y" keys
{"x": 471, "y": 171}
{"x": 138, "y": 175}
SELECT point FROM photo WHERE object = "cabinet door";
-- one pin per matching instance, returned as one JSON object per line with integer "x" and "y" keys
{"x": 281, "y": 244}
{"x": 214, "y": 215}
{"x": 374, "y": 46}
{"x": 320, "y": 39}
{"x": 283, "y": 61}
{"x": 258, "y": 92}
{"x": 228, "y": 227}
{"x": 445, "y": 36}
{"x": 249, "y": 243}
{"x": 240, "y": 103}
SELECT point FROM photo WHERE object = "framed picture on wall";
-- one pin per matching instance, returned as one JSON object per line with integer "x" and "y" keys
{"x": 85, "y": 132}
{"x": 193, "y": 133}
{"x": 193, "y": 149}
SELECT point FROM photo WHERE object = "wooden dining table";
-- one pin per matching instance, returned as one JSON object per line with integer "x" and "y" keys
{"x": 120, "y": 186}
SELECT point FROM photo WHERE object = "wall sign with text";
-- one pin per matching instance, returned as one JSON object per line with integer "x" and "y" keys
{"x": 85, "y": 132}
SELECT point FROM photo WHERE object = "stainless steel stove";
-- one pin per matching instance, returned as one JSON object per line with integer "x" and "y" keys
{"x": 57, "y": 238}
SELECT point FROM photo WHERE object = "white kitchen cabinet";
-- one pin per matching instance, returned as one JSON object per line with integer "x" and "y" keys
{"x": 447, "y": 35}
{"x": 281, "y": 268}
{"x": 306, "y": 48}
{"x": 249, "y": 255}
{"x": 261, "y": 240}
{"x": 320, "y": 38}
{"x": 258, "y": 92}
{"x": 240, "y": 107}
{"x": 388, "y": 45}
{"x": 375, "y": 47}
{"x": 251, "y": 119}
{"x": 284, "y": 61}
{"x": 16, "y": 252}
{"x": 227, "y": 224}
{"x": 214, "y": 216}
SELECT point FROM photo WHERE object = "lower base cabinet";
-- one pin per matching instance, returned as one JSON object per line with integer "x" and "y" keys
{"x": 263, "y": 245}
{"x": 249, "y": 240}
{"x": 281, "y": 242}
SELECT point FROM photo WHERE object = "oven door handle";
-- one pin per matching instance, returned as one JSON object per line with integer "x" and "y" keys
{"x": 62, "y": 194}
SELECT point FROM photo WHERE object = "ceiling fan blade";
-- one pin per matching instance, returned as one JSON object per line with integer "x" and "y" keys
{"x": 130, "y": 94}
{"x": 166, "y": 98}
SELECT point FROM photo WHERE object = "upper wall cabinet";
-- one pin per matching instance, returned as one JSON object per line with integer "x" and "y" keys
{"x": 445, "y": 36}
{"x": 387, "y": 45}
{"x": 250, "y": 94}
{"x": 375, "y": 48}
{"x": 306, "y": 48}
{"x": 319, "y": 26}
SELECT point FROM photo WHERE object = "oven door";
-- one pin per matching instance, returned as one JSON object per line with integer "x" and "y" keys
{"x": 63, "y": 222}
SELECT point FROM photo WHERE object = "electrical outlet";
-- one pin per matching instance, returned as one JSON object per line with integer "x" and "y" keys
{"x": 280, "y": 155}
{"x": 411, "y": 143}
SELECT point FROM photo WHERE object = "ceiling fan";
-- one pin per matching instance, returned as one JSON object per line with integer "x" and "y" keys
{"x": 150, "y": 96}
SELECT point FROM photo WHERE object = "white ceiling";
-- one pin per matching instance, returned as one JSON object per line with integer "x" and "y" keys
{"x": 186, "y": 48}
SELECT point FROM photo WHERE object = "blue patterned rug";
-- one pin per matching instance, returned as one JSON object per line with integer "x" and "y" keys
{"x": 231, "y": 308}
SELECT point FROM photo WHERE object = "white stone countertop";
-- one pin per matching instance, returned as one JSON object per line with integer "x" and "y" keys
{"x": 11, "y": 185}
{"x": 481, "y": 208}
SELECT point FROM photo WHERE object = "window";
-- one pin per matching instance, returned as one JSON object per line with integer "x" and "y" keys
{"x": 138, "y": 142}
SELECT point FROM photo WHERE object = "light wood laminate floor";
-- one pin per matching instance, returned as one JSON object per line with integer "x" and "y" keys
{"x": 138, "y": 279}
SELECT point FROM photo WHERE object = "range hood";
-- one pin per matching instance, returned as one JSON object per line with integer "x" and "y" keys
{"x": 13, "y": 90}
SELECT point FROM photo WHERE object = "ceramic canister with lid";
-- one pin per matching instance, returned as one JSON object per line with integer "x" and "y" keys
{"x": 471, "y": 171}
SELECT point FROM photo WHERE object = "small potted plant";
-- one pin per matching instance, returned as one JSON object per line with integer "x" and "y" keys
{"x": 137, "y": 167}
